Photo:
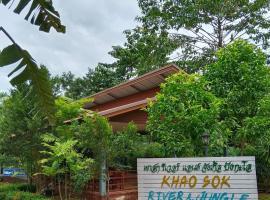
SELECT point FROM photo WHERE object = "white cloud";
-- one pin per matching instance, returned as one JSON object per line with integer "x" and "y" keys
{"x": 92, "y": 28}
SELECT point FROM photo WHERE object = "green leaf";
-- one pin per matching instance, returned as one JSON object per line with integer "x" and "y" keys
{"x": 31, "y": 72}
{"x": 21, "y": 5}
{"x": 9, "y": 55}
{"x": 42, "y": 14}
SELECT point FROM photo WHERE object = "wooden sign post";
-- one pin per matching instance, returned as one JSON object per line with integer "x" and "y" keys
{"x": 211, "y": 178}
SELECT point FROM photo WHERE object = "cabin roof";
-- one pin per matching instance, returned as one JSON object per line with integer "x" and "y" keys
{"x": 142, "y": 83}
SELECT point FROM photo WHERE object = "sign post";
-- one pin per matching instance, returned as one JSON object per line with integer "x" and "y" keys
{"x": 210, "y": 178}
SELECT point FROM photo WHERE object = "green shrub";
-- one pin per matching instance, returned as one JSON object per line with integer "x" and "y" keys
{"x": 27, "y": 188}
{"x": 8, "y": 187}
{"x": 15, "y": 195}
{"x": 19, "y": 192}
{"x": 18, "y": 187}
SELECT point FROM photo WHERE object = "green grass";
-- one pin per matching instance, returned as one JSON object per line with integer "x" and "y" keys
{"x": 264, "y": 196}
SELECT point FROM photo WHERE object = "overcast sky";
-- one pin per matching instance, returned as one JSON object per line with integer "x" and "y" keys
{"x": 93, "y": 26}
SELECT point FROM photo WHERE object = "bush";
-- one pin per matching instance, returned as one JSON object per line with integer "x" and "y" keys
{"x": 27, "y": 188}
{"x": 19, "y": 192}
{"x": 15, "y": 195}
{"x": 18, "y": 187}
{"x": 8, "y": 187}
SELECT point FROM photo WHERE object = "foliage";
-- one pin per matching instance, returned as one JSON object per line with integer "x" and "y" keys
{"x": 195, "y": 28}
{"x": 8, "y": 187}
{"x": 240, "y": 77}
{"x": 183, "y": 111}
{"x": 19, "y": 192}
{"x": 68, "y": 108}
{"x": 94, "y": 134}
{"x": 41, "y": 13}
{"x": 15, "y": 195}
{"x": 62, "y": 158}
{"x": 64, "y": 162}
{"x": 264, "y": 196}
{"x": 95, "y": 80}
{"x": 255, "y": 131}
{"x": 23, "y": 134}
{"x": 144, "y": 51}
{"x": 128, "y": 145}
{"x": 29, "y": 71}
{"x": 17, "y": 187}
{"x": 231, "y": 100}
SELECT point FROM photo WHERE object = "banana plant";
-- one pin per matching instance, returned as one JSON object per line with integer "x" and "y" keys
{"x": 42, "y": 14}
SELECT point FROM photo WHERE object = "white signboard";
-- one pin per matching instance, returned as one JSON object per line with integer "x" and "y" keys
{"x": 215, "y": 178}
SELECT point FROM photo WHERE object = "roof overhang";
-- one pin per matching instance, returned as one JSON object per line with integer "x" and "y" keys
{"x": 126, "y": 108}
{"x": 143, "y": 83}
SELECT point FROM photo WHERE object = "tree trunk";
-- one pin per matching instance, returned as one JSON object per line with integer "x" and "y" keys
{"x": 66, "y": 192}
{"x": 220, "y": 33}
{"x": 59, "y": 188}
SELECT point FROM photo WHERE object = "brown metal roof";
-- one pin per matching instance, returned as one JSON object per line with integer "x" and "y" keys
{"x": 126, "y": 108}
{"x": 147, "y": 81}
{"x": 118, "y": 110}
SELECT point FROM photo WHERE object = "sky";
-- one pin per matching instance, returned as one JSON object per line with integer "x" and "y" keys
{"x": 93, "y": 27}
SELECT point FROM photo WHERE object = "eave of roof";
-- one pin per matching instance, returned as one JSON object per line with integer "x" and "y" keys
{"x": 119, "y": 110}
{"x": 126, "y": 108}
{"x": 142, "y": 83}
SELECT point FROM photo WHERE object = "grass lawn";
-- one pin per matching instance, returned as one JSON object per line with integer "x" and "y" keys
{"x": 264, "y": 196}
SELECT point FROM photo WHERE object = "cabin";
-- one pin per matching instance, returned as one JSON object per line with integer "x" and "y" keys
{"x": 122, "y": 104}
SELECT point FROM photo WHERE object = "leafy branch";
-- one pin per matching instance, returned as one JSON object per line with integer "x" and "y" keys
{"x": 41, "y": 13}
{"x": 28, "y": 70}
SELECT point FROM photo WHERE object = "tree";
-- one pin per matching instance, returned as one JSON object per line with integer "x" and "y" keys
{"x": 43, "y": 14}
{"x": 230, "y": 100}
{"x": 183, "y": 111}
{"x": 62, "y": 158}
{"x": 241, "y": 78}
{"x": 95, "y": 80}
{"x": 102, "y": 77}
{"x": 66, "y": 163}
{"x": 199, "y": 28}
{"x": 256, "y": 132}
{"x": 144, "y": 51}
{"x": 128, "y": 145}
{"x": 21, "y": 127}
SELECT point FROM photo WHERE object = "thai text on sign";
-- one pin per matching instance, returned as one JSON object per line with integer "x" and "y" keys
{"x": 213, "y": 178}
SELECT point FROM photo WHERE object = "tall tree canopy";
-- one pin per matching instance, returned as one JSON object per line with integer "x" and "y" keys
{"x": 183, "y": 111}
{"x": 197, "y": 28}
{"x": 241, "y": 78}
{"x": 144, "y": 51}
{"x": 95, "y": 80}
{"x": 230, "y": 100}
{"x": 20, "y": 130}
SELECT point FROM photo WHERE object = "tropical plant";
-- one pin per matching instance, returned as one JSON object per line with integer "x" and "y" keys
{"x": 241, "y": 78}
{"x": 230, "y": 100}
{"x": 21, "y": 127}
{"x": 65, "y": 163}
{"x": 128, "y": 145}
{"x": 183, "y": 111}
{"x": 43, "y": 14}
{"x": 94, "y": 134}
